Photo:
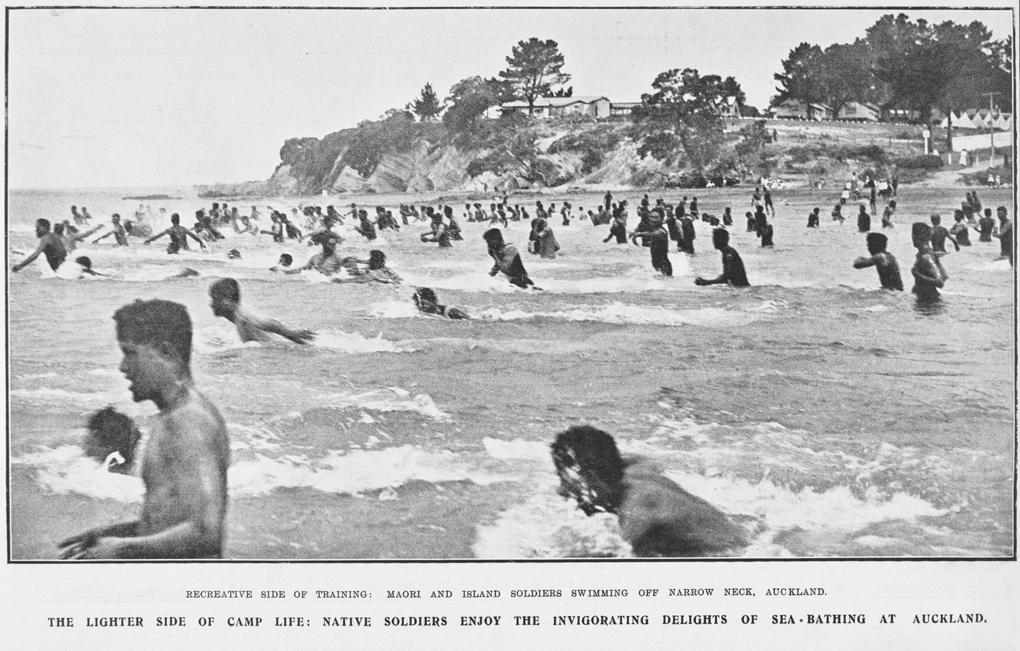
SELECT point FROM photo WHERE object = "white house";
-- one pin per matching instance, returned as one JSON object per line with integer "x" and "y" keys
{"x": 622, "y": 108}
{"x": 552, "y": 107}
{"x": 861, "y": 111}
{"x": 796, "y": 110}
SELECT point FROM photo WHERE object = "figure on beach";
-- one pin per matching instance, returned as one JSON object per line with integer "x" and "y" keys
{"x": 251, "y": 325}
{"x": 657, "y": 516}
{"x": 184, "y": 465}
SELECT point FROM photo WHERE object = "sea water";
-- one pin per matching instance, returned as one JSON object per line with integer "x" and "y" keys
{"x": 825, "y": 416}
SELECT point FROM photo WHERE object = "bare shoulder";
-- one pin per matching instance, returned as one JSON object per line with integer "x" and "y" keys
{"x": 197, "y": 420}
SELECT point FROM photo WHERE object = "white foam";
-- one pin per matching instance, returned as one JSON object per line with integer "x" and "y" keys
{"x": 388, "y": 400}
{"x": 66, "y": 469}
{"x": 622, "y": 313}
{"x": 353, "y": 342}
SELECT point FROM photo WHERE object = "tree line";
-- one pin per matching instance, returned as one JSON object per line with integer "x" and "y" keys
{"x": 903, "y": 64}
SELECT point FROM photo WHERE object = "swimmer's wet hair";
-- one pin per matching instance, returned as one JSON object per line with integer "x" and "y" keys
{"x": 58, "y": 229}
{"x": 45, "y": 223}
{"x": 425, "y": 295}
{"x": 493, "y": 235}
{"x": 721, "y": 235}
{"x": 878, "y": 239}
{"x": 159, "y": 324}
{"x": 920, "y": 229}
{"x": 111, "y": 431}
{"x": 286, "y": 258}
{"x": 596, "y": 480}
{"x": 84, "y": 261}
{"x": 226, "y": 288}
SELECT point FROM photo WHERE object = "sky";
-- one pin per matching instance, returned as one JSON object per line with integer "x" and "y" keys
{"x": 160, "y": 97}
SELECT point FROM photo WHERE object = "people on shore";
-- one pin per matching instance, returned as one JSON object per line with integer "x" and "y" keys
{"x": 184, "y": 465}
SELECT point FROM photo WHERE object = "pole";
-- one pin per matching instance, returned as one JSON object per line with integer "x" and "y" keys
{"x": 991, "y": 128}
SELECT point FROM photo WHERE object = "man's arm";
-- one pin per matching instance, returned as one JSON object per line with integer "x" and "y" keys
{"x": 77, "y": 547}
{"x": 155, "y": 237}
{"x": 274, "y": 326}
{"x": 31, "y": 258}
{"x": 82, "y": 236}
{"x": 933, "y": 272}
{"x": 863, "y": 262}
{"x": 188, "y": 233}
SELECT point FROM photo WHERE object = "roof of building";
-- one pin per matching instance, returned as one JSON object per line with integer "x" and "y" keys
{"x": 553, "y": 102}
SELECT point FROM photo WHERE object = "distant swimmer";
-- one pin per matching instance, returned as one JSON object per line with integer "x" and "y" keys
{"x": 887, "y": 214}
{"x": 326, "y": 261}
{"x": 85, "y": 267}
{"x": 657, "y": 239}
{"x": 251, "y": 326}
{"x": 863, "y": 220}
{"x": 929, "y": 275}
{"x": 116, "y": 230}
{"x": 939, "y": 235}
{"x": 507, "y": 259}
{"x": 617, "y": 229}
{"x": 50, "y": 245}
{"x": 70, "y": 239}
{"x": 79, "y": 219}
{"x": 1005, "y": 234}
{"x": 427, "y": 301}
{"x": 111, "y": 440}
{"x": 365, "y": 227}
{"x": 376, "y": 271}
{"x": 986, "y": 225}
{"x": 657, "y": 516}
{"x": 439, "y": 233}
{"x": 813, "y": 218}
{"x": 733, "y": 267}
{"x": 545, "y": 240}
{"x": 184, "y": 464}
{"x": 178, "y": 236}
{"x": 960, "y": 231}
{"x": 883, "y": 261}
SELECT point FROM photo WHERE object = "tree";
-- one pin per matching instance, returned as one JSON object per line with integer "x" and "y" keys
{"x": 801, "y": 77}
{"x": 469, "y": 100}
{"x": 568, "y": 92}
{"x": 751, "y": 150}
{"x": 846, "y": 76}
{"x": 533, "y": 68}
{"x": 680, "y": 122}
{"x": 426, "y": 106}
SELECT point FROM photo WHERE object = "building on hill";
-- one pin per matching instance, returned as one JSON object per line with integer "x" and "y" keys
{"x": 617, "y": 109}
{"x": 860, "y": 111}
{"x": 796, "y": 110}
{"x": 553, "y": 107}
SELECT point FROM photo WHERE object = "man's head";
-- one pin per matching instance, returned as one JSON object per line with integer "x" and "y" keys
{"x": 424, "y": 296}
{"x": 226, "y": 296}
{"x": 286, "y": 260}
{"x": 58, "y": 229}
{"x": 1002, "y": 213}
{"x": 376, "y": 259}
{"x": 590, "y": 468}
{"x": 958, "y": 215}
{"x": 175, "y": 219}
{"x": 326, "y": 240}
{"x": 115, "y": 219}
{"x": 111, "y": 431}
{"x": 85, "y": 262}
{"x": 935, "y": 220}
{"x": 876, "y": 243}
{"x": 42, "y": 226}
{"x": 720, "y": 238}
{"x": 920, "y": 234}
{"x": 155, "y": 338}
{"x": 494, "y": 238}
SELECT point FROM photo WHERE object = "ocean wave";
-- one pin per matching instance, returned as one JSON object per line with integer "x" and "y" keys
{"x": 389, "y": 399}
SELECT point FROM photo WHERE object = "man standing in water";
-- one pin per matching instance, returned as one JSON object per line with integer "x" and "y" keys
{"x": 50, "y": 245}
{"x": 929, "y": 275}
{"x": 178, "y": 236}
{"x": 733, "y": 267}
{"x": 507, "y": 259}
{"x": 185, "y": 462}
{"x": 884, "y": 263}
{"x": 251, "y": 326}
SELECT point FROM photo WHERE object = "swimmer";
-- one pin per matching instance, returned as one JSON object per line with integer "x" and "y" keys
{"x": 325, "y": 262}
{"x": 112, "y": 436}
{"x": 657, "y": 240}
{"x": 85, "y": 264}
{"x": 813, "y": 218}
{"x": 863, "y": 219}
{"x": 986, "y": 225}
{"x": 71, "y": 239}
{"x": 929, "y": 275}
{"x": 939, "y": 235}
{"x": 438, "y": 233}
{"x": 617, "y": 229}
{"x": 286, "y": 260}
{"x": 959, "y": 231}
{"x": 1005, "y": 234}
{"x": 507, "y": 259}
{"x": 50, "y": 245}
{"x": 883, "y": 261}
{"x": 733, "y": 267}
{"x": 426, "y": 301}
{"x": 657, "y": 517}
{"x": 365, "y": 227}
{"x": 377, "y": 270}
{"x": 178, "y": 236}
{"x": 251, "y": 325}
{"x": 184, "y": 465}
{"x": 116, "y": 230}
